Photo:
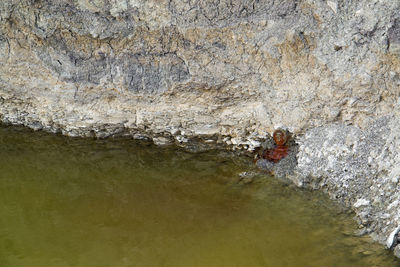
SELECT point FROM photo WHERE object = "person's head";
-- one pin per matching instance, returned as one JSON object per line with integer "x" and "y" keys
{"x": 280, "y": 136}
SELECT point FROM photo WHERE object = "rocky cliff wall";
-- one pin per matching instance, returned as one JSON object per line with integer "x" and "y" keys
{"x": 225, "y": 72}
{"x": 179, "y": 69}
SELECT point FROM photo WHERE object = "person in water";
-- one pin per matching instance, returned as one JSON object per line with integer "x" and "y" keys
{"x": 280, "y": 150}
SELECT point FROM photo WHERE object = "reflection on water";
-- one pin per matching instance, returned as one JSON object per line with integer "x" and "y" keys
{"x": 79, "y": 202}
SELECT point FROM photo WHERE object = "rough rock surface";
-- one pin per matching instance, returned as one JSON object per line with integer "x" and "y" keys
{"x": 359, "y": 168}
{"x": 222, "y": 72}
{"x": 182, "y": 69}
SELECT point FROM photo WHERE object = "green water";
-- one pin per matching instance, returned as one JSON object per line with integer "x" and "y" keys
{"x": 80, "y": 202}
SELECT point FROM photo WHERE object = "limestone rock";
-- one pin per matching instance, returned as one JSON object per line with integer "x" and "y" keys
{"x": 236, "y": 67}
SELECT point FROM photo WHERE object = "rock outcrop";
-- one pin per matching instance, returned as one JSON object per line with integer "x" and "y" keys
{"x": 222, "y": 72}
{"x": 358, "y": 167}
{"x": 235, "y": 69}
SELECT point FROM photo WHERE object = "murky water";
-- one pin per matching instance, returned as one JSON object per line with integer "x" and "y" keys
{"x": 79, "y": 202}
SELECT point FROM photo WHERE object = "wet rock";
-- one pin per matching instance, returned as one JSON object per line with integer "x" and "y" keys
{"x": 162, "y": 141}
{"x": 245, "y": 180}
{"x": 397, "y": 251}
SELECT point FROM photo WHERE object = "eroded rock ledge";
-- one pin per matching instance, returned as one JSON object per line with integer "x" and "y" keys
{"x": 222, "y": 72}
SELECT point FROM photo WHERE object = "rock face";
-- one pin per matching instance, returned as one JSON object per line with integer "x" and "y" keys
{"x": 235, "y": 69}
{"x": 359, "y": 168}
{"x": 224, "y": 72}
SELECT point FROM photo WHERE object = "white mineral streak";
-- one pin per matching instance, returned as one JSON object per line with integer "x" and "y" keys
{"x": 391, "y": 239}
{"x": 361, "y": 202}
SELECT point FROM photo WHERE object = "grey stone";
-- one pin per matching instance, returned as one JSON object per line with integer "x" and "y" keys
{"x": 356, "y": 167}
{"x": 394, "y": 37}
{"x": 162, "y": 141}
{"x": 141, "y": 73}
{"x": 397, "y": 251}
{"x": 225, "y": 12}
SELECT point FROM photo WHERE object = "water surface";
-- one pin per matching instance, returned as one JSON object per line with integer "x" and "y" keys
{"x": 82, "y": 202}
